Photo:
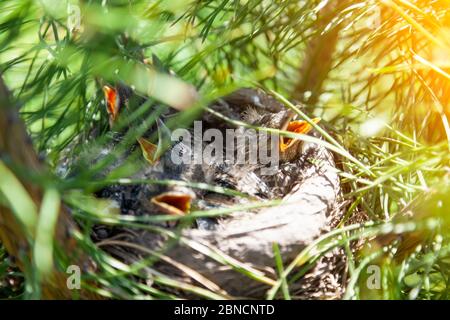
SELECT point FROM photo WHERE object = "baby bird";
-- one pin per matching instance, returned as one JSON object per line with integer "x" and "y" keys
{"x": 132, "y": 150}
{"x": 146, "y": 198}
{"x": 289, "y": 149}
{"x": 150, "y": 160}
{"x": 258, "y": 109}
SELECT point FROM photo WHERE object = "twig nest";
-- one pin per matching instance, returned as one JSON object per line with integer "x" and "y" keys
{"x": 308, "y": 210}
{"x": 236, "y": 257}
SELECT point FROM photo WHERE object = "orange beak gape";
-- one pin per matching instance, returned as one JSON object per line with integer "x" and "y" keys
{"x": 112, "y": 102}
{"x": 298, "y": 126}
{"x": 173, "y": 203}
{"x": 149, "y": 150}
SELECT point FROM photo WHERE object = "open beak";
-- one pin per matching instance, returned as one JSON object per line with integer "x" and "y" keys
{"x": 112, "y": 103}
{"x": 298, "y": 126}
{"x": 152, "y": 152}
{"x": 173, "y": 202}
{"x": 148, "y": 150}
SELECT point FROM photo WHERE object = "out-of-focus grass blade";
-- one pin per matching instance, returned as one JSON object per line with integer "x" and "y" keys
{"x": 43, "y": 246}
{"x": 415, "y": 24}
{"x": 433, "y": 66}
{"x": 166, "y": 88}
{"x": 18, "y": 199}
{"x": 280, "y": 269}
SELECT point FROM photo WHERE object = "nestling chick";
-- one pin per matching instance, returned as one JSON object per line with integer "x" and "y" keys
{"x": 289, "y": 148}
{"x": 293, "y": 154}
{"x": 127, "y": 157}
{"x": 152, "y": 162}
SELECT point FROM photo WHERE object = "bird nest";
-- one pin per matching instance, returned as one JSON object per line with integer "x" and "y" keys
{"x": 233, "y": 255}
